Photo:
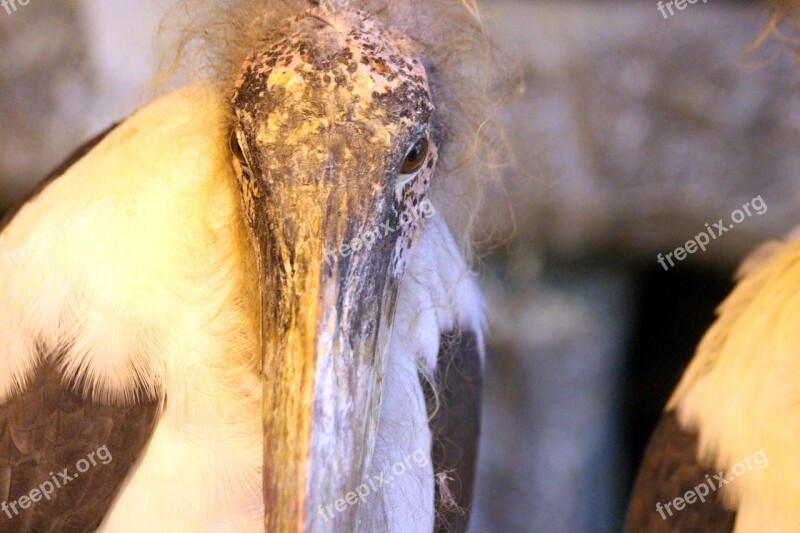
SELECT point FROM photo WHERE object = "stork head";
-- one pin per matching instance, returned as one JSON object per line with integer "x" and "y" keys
{"x": 334, "y": 150}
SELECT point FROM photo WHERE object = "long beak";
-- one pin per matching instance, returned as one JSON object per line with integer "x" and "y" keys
{"x": 326, "y": 323}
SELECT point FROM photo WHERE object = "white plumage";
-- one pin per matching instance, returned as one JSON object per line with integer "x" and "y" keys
{"x": 741, "y": 391}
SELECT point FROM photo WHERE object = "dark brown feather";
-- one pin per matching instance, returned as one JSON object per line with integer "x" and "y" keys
{"x": 49, "y": 427}
{"x": 455, "y": 411}
{"x": 670, "y": 468}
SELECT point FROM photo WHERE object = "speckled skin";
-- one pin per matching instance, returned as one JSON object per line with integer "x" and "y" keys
{"x": 325, "y": 114}
{"x": 336, "y": 101}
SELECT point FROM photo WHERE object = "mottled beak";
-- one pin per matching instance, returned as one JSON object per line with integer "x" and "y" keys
{"x": 326, "y": 324}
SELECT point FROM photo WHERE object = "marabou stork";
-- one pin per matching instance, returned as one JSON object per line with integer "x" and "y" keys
{"x": 724, "y": 455}
{"x": 264, "y": 328}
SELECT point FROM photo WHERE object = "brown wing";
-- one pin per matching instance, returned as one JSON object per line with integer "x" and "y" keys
{"x": 669, "y": 470}
{"x": 77, "y": 452}
{"x": 455, "y": 412}
{"x": 49, "y": 433}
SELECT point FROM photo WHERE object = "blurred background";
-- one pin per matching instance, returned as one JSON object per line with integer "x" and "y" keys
{"x": 635, "y": 131}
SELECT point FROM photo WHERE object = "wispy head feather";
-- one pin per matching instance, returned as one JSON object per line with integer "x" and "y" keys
{"x": 468, "y": 74}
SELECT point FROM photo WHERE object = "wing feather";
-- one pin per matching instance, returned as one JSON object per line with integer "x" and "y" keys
{"x": 669, "y": 470}
{"x": 48, "y": 432}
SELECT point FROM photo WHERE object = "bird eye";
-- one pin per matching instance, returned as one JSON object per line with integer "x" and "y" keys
{"x": 236, "y": 148}
{"x": 416, "y": 157}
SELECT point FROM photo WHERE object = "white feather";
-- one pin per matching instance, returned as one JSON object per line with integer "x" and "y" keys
{"x": 438, "y": 293}
{"x": 148, "y": 295}
{"x": 742, "y": 393}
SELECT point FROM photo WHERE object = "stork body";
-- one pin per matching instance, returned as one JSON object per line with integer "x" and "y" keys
{"x": 191, "y": 326}
{"x": 732, "y": 423}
